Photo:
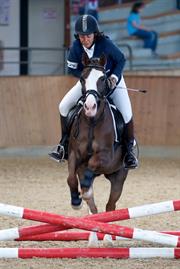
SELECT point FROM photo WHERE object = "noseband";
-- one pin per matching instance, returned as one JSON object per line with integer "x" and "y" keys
{"x": 96, "y": 95}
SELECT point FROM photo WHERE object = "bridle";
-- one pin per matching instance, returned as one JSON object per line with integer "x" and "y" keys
{"x": 98, "y": 96}
{"x": 96, "y": 66}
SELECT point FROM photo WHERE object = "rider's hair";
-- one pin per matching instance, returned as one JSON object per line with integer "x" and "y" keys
{"x": 137, "y": 6}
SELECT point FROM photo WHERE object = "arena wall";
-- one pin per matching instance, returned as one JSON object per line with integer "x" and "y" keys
{"x": 29, "y": 109}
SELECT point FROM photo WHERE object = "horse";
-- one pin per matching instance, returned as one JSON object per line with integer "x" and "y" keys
{"x": 92, "y": 149}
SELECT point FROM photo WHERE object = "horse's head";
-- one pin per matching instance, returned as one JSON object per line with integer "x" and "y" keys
{"x": 94, "y": 83}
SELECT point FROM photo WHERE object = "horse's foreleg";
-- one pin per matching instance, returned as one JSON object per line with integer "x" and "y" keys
{"x": 117, "y": 181}
{"x": 87, "y": 179}
{"x": 88, "y": 196}
{"x": 72, "y": 180}
{"x": 76, "y": 200}
{"x": 86, "y": 182}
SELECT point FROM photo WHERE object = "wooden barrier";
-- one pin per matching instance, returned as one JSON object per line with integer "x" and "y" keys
{"x": 29, "y": 113}
{"x": 156, "y": 113}
{"x": 29, "y": 110}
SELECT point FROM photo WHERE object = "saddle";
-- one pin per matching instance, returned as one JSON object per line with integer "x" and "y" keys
{"x": 118, "y": 124}
{"x": 73, "y": 113}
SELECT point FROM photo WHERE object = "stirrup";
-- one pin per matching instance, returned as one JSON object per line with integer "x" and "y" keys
{"x": 58, "y": 154}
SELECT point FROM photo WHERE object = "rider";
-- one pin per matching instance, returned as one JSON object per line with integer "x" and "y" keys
{"x": 94, "y": 43}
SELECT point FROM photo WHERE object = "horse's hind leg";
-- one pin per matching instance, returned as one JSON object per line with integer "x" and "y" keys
{"x": 117, "y": 181}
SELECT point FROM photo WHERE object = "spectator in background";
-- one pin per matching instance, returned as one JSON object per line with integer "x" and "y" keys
{"x": 135, "y": 28}
{"x": 82, "y": 7}
{"x": 92, "y": 8}
{"x": 178, "y": 4}
{"x": 89, "y": 7}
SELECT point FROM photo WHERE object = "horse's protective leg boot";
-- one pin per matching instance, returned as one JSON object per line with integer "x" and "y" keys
{"x": 76, "y": 200}
{"x": 61, "y": 151}
{"x": 130, "y": 160}
{"x": 87, "y": 180}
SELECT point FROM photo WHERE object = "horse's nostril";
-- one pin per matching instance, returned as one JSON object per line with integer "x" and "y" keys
{"x": 85, "y": 106}
{"x": 94, "y": 106}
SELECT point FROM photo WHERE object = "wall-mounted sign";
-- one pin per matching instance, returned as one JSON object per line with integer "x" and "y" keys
{"x": 49, "y": 14}
{"x": 4, "y": 12}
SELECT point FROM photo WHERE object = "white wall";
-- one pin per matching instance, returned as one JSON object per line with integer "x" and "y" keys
{"x": 9, "y": 35}
{"x": 46, "y": 29}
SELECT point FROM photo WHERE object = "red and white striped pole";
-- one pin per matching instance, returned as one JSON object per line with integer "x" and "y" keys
{"x": 73, "y": 253}
{"x": 121, "y": 214}
{"x": 90, "y": 225}
{"x": 74, "y": 236}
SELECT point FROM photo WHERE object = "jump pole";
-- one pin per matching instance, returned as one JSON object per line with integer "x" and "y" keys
{"x": 90, "y": 225}
{"x": 73, "y": 253}
{"x": 74, "y": 236}
{"x": 117, "y": 215}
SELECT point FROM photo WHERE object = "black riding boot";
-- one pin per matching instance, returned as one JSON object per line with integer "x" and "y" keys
{"x": 130, "y": 160}
{"x": 61, "y": 151}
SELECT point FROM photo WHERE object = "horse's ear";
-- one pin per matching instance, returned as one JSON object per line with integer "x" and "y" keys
{"x": 103, "y": 60}
{"x": 85, "y": 59}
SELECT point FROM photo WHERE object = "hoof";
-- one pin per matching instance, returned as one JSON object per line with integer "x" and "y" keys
{"x": 76, "y": 201}
{"x": 77, "y": 207}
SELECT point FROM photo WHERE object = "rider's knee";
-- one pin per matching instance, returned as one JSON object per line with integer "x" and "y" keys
{"x": 63, "y": 109}
{"x": 127, "y": 116}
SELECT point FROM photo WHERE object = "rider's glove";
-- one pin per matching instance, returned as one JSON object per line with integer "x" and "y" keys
{"x": 112, "y": 82}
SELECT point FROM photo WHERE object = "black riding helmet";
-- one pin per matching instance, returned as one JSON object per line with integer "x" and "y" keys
{"x": 86, "y": 25}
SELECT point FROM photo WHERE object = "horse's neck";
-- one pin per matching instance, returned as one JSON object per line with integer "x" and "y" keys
{"x": 94, "y": 134}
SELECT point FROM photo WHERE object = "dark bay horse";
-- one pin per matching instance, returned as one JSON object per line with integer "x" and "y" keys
{"x": 92, "y": 149}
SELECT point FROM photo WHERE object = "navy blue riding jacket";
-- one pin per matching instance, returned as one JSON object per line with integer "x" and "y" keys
{"x": 115, "y": 58}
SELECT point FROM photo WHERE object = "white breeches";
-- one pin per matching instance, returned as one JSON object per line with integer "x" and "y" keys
{"x": 119, "y": 97}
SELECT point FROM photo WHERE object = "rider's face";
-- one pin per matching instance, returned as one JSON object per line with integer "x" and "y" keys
{"x": 87, "y": 40}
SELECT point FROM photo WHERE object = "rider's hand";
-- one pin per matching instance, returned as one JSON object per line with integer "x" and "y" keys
{"x": 112, "y": 82}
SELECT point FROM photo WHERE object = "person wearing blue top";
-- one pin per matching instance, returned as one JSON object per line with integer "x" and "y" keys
{"x": 135, "y": 28}
{"x": 90, "y": 40}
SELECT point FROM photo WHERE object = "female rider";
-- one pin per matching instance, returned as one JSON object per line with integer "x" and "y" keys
{"x": 94, "y": 43}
